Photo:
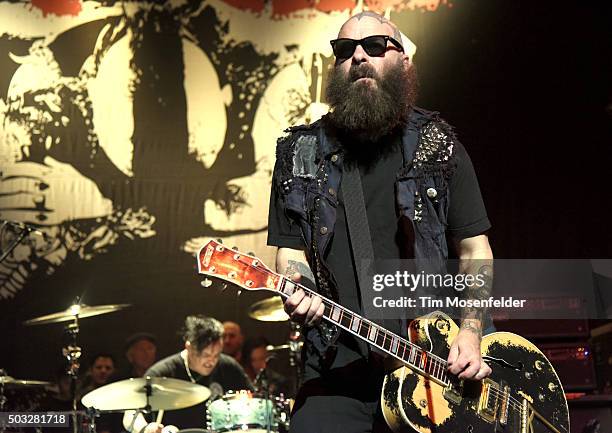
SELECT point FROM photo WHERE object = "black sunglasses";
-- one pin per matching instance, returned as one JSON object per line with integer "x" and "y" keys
{"x": 373, "y": 45}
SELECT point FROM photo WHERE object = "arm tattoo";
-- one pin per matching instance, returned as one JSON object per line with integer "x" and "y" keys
{"x": 469, "y": 325}
{"x": 481, "y": 289}
{"x": 294, "y": 266}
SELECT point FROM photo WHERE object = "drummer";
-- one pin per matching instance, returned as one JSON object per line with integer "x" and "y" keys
{"x": 200, "y": 362}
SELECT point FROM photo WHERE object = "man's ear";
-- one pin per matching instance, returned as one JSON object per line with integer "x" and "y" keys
{"x": 187, "y": 345}
{"x": 406, "y": 61}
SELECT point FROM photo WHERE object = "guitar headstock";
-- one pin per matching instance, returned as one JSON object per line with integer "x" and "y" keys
{"x": 217, "y": 260}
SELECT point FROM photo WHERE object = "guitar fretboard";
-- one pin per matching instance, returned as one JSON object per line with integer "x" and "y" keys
{"x": 377, "y": 336}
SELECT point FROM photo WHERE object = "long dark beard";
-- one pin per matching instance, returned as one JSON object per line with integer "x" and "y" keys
{"x": 367, "y": 114}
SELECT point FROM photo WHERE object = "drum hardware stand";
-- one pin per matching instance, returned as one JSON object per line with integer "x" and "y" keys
{"x": 262, "y": 379}
{"x": 3, "y": 399}
{"x": 92, "y": 414}
{"x": 148, "y": 393}
{"x": 72, "y": 352}
{"x": 148, "y": 388}
{"x": 295, "y": 349}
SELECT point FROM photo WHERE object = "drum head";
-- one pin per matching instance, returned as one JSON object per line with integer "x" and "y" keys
{"x": 242, "y": 411}
{"x": 194, "y": 430}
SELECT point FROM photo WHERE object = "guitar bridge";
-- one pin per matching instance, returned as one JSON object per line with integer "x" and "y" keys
{"x": 494, "y": 402}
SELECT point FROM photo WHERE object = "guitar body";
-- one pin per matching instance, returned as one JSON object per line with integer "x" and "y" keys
{"x": 412, "y": 402}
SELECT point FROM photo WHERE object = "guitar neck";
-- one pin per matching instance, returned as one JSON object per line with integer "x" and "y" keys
{"x": 409, "y": 353}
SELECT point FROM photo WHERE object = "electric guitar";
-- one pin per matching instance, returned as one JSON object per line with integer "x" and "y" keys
{"x": 522, "y": 395}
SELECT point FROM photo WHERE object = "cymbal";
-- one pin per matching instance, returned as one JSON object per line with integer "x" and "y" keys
{"x": 269, "y": 310}
{"x": 166, "y": 394}
{"x": 73, "y": 311}
{"x": 10, "y": 382}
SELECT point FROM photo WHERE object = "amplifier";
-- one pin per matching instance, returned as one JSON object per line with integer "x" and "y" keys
{"x": 574, "y": 364}
{"x": 540, "y": 329}
{"x": 601, "y": 342}
{"x": 591, "y": 414}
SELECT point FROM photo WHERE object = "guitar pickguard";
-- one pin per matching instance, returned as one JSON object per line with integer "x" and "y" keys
{"x": 413, "y": 402}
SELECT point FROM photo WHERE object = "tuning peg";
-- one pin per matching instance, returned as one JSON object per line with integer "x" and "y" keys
{"x": 220, "y": 240}
{"x": 223, "y": 287}
{"x": 206, "y": 283}
{"x": 251, "y": 253}
{"x": 234, "y": 248}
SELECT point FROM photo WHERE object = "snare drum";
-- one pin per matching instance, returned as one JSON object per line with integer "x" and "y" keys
{"x": 243, "y": 411}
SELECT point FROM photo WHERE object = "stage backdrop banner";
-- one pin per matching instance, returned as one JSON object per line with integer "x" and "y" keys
{"x": 130, "y": 132}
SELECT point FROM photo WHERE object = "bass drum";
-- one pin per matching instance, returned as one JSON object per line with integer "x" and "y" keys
{"x": 245, "y": 411}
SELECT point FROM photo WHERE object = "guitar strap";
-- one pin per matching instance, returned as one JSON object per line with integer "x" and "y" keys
{"x": 358, "y": 226}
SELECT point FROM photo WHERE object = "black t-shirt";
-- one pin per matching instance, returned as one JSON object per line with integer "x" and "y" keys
{"x": 467, "y": 217}
{"x": 228, "y": 375}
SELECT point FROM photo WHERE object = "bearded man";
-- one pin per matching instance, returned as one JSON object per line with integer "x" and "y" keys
{"x": 418, "y": 187}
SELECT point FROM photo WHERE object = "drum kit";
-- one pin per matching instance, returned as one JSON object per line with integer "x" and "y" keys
{"x": 235, "y": 411}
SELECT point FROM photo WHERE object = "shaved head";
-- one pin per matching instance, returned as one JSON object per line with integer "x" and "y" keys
{"x": 394, "y": 31}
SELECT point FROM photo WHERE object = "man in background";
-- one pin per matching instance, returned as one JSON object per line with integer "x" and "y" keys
{"x": 141, "y": 353}
{"x": 202, "y": 362}
{"x": 100, "y": 372}
{"x": 232, "y": 340}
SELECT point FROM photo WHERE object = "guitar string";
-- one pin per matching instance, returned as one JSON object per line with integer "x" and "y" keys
{"x": 513, "y": 402}
{"x": 408, "y": 345}
{"x": 332, "y": 304}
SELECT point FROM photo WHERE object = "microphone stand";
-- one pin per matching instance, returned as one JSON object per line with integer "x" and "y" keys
{"x": 25, "y": 231}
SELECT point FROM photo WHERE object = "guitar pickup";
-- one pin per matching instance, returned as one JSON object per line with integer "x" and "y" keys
{"x": 454, "y": 391}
